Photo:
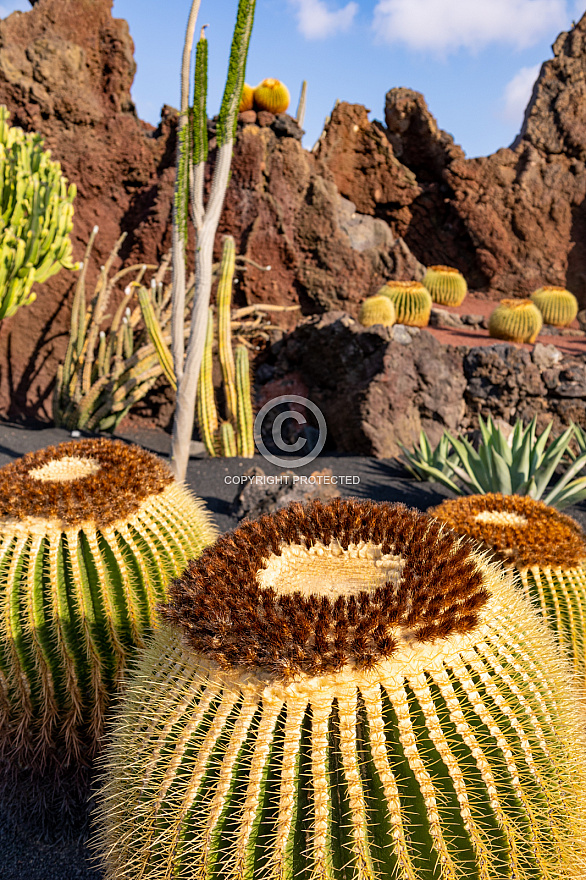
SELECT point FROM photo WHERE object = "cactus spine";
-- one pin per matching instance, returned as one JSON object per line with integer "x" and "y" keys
{"x": 91, "y": 531}
{"x": 377, "y": 310}
{"x": 411, "y": 300}
{"x": 557, "y": 305}
{"x": 36, "y": 214}
{"x": 446, "y": 285}
{"x": 346, "y": 690}
{"x": 271, "y": 95}
{"x": 547, "y": 550}
{"x": 516, "y": 320}
{"x": 238, "y": 438}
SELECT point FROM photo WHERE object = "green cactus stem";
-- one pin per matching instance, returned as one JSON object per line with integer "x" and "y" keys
{"x": 91, "y": 533}
{"x": 411, "y": 300}
{"x": 547, "y": 550}
{"x": 446, "y": 285}
{"x": 224, "y": 302}
{"x": 516, "y": 320}
{"x": 271, "y": 95}
{"x": 557, "y": 305}
{"x": 227, "y": 440}
{"x": 346, "y": 691}
{"x": 36, "y": 216}
{"x": 244, "y": 415}
{"x": 377, "y": 310}
{"x": 207, "y": 415}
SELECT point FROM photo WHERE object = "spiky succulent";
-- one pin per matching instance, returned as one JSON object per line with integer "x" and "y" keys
{"x": 247, "y": 99}
{"x": 412, "y": 302}
{"x": 377, "y": 310}
{"x": 346, "y": 691}
{"x": 547, "y": 550}
{"x": 271, "y": 95}
{"x": 557, "y": 305}
{"x": 516, "y": 320}
{"x": 91, "y": 532}
{"x": 446, "y": 285}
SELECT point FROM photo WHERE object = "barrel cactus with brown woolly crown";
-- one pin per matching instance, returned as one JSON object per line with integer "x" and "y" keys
{"x": 377, "y": 310}
{"x": 271, "y": 95}
{"x": 346, "y": 690}
{"x": 446, "y": 285}
{"x": 547, "y": 550}
{"x": 516, "y": 320}
{"x": 557, "y": 305}
{"x": 91, "y": 532}
{"x": 411, "y": 300}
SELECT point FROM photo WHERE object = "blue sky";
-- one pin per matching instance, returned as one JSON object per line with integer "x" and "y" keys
{"x": 474, "y": 60}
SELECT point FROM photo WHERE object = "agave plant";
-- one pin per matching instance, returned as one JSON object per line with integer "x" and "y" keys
{"x": 523, "y": 464}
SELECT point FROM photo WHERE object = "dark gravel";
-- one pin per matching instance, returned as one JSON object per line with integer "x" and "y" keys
{"x": 26, "y": 851}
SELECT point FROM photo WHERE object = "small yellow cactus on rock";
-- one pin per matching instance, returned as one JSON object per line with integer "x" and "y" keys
{"x": 247, "y": 99}
{"x": 516, "y": 320}
{"x": 271, "y": 95}
{"x": 558, "y": 306}
{"x": 377, "y": 310}
{"x": 347, "y": 690}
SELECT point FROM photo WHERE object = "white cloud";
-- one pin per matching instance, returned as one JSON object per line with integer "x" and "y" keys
{"x": 518, "y": 91}
{"x": 447, "y": 25}
{"x": 316, "y": 21}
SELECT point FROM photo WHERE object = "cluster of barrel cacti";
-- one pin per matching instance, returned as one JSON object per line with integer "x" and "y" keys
{"x": 347, "y": 689}
{"x": 411, "y": 301}
{"x": 91, "y": 533}
{"x": 36, "y": 210}
{"x": 270, "y": 94}
{"x": 233, "y": 435}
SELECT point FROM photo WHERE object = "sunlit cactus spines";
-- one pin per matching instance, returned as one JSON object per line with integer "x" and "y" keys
{"x": 271, "y": 95}
{"x": 411, "y": 300}
{"x": 516, "y": 320}
{"x": 91, "y": 533}
{"x": 346, "y": 690}
{"x": 377, "y": 310}
{"x": 557, "y": 305}
{"x": 247, "y": 99}
{"x": 446, "y": 285}
{"x": 547, "y": 550}
{"x": 36, "y": 216}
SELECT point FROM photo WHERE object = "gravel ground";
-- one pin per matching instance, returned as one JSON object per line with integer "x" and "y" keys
{"x": 25, "y": 852}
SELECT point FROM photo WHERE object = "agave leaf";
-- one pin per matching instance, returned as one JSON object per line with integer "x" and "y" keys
{"x": 574, "y": 469}
{"x": 486, "y": 429}
{"x": 502, "y": 474}
{"x": 550, "y": 460}
{"x": 520, "y": 467}
{"x": 439, "y": 477}
{"x": 472, "y": 464}
{"x": 571, "y": 494}
{"x": 538, "y": 446}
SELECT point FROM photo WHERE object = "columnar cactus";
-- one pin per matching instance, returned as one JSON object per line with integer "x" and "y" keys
{"x": 377, "y": 310}
{"x": 516, "y": 320}
{"x": 547, "y": 550}
{"x": 411, "y": 300}
{"x": 346, "y": 690}
{"x": 36, "y": 211}
{"x": 271, "y": 95}
{"x": 91, "y": 531}
{"x": 557, "y": 305}
{"x": 446, "y": 285}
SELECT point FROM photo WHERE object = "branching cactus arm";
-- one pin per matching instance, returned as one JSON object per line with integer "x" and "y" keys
{"x": 187, "y": 370}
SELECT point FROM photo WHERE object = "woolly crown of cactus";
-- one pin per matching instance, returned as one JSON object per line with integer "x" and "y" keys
{"x": 446, "y": 285}
{"x": 547, "y": 549}
{"x": 377, "y": 310}
{"x": 271, "y": 95}
{"x": 516, "y": 320}
{"x": 91, "y": 531}
{"x": 557, "y": 305}
{"x": 346, "y": 690}
{"x": 412, "y": 301}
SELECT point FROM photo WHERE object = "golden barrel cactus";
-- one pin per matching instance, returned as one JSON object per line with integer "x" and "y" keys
{"x": 247, "y": 98}
{"x": 547, "y": 550}
{"x": 516, "y": 320}
{"x": 271, "y": 95}
{"x": 411, "y": 300}
{"x": 557, "y": 305}
{"x": 346, "y": 690}
{"x": 377, "y": 310}
{"x": 446, "y": 285}
{"x": 91, "y": 532}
